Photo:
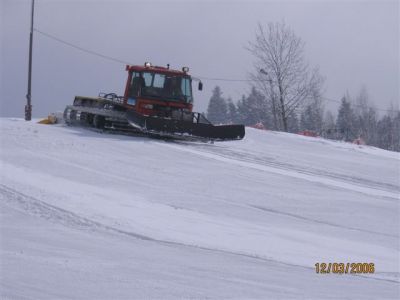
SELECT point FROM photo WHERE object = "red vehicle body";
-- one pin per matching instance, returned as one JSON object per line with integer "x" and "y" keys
{"x": 142, "y": 103}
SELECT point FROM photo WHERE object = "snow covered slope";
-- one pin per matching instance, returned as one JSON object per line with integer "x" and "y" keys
{"x": 97, "y": 216}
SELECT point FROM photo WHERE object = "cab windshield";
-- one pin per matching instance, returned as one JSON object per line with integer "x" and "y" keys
{"x": 161, "y": 86}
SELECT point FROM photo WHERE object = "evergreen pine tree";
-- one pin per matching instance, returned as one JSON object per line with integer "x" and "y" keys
{"x": 232, "y": 114}
{"x": 217, "y": 107}
{"x": 345, "y": 121}
{"x": 329, "y": 126}
{"x": 396, "y": 132}
{"x": 306, "y": 119}
{"x": 253, "y": 109}
{"x": 384, "y": 131}
{"x": 311, "y": 117}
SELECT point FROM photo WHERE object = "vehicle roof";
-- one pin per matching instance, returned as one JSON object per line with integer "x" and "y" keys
{"x": 157, "y": 69}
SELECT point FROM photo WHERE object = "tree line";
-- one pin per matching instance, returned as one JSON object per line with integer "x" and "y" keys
{"x": 355, "y": 118}
{"x": 286, "y": 95}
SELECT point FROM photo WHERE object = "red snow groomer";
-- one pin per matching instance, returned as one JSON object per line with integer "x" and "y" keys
{"x": 158, "y": 101}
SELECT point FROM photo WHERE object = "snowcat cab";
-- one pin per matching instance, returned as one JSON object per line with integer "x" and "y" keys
{"x": 158, "y": 91}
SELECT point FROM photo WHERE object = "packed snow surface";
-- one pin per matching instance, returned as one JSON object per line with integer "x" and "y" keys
{"x": 90, "y": 215}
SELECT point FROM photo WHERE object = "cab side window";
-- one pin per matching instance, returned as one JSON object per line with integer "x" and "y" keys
{"x": 136, "y": 84}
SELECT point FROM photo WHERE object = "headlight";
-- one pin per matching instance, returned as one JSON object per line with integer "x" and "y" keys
{"x": 185, "y": 69}
{"x": 148, "y": 106}
{"x": 147, "y": 64}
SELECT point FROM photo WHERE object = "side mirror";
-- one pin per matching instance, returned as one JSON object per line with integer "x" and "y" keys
{"x": 200, "y": 86}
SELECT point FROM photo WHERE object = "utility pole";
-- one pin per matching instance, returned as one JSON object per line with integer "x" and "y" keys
{"x": 28, "y": 106}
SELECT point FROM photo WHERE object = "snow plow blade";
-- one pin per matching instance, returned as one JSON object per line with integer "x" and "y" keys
{"x": 190, "y": 126}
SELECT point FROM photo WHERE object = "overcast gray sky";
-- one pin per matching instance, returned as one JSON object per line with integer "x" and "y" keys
{"x": 354, "y": 43}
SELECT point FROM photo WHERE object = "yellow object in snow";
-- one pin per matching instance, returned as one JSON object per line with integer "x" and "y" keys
{"x": 51, "y": 119}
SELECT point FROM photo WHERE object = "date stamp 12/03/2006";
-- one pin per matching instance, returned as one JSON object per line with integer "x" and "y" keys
{"x": 345, "y": 268}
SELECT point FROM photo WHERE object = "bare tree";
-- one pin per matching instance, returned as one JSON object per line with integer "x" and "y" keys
{"x": 281, "y": 71}
{"x": 366, "y": 117}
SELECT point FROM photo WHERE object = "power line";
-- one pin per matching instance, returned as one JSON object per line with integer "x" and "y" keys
{"x": 80, "y": 48}
{"x": 227, "y": 79}
{"x": 358, "y": 105}
{"x": 121, "y": 61}
{"x": 200, "y": 77}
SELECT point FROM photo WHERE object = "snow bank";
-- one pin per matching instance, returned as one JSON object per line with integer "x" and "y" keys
{"x": 277, "y": 197}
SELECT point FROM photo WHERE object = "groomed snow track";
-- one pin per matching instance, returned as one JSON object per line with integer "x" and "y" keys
{"x": 91, "y": 215}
